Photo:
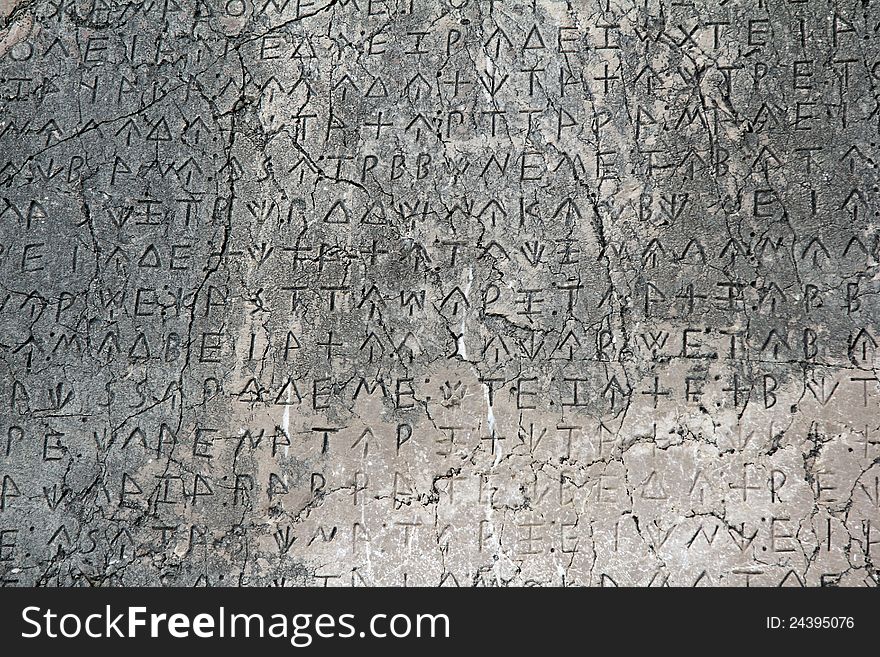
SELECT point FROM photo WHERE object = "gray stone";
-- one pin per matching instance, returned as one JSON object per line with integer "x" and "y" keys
{"x": 450, "y": 292}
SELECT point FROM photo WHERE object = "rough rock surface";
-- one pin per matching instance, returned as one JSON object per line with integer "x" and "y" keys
{"x": 439, "y": 292}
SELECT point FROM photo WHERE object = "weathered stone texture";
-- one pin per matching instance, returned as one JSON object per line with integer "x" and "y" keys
{"x": 440, "y": 292}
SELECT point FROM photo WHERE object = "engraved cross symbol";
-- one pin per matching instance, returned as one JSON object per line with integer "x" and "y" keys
{"x": 330, "y": 344}
{"x": 494, "y": 438}
{"x": 373, "y": 252}
{"x": 378, "y": 124}
{"x": 656, "y": 392}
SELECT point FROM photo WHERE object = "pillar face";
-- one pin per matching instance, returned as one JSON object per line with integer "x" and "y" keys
{"x": 446, "y": 292}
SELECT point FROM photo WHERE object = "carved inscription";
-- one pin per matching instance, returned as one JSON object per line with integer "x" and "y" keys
{"x": 441, "y": 292}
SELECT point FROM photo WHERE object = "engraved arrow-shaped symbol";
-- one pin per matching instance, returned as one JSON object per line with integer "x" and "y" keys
{"x": 491, "y": 83}
{"x": 533, "y": 251}
{"x": 822, "y": 395}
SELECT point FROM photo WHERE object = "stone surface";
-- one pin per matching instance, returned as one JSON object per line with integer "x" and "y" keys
{"x": 441, "y": 292}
